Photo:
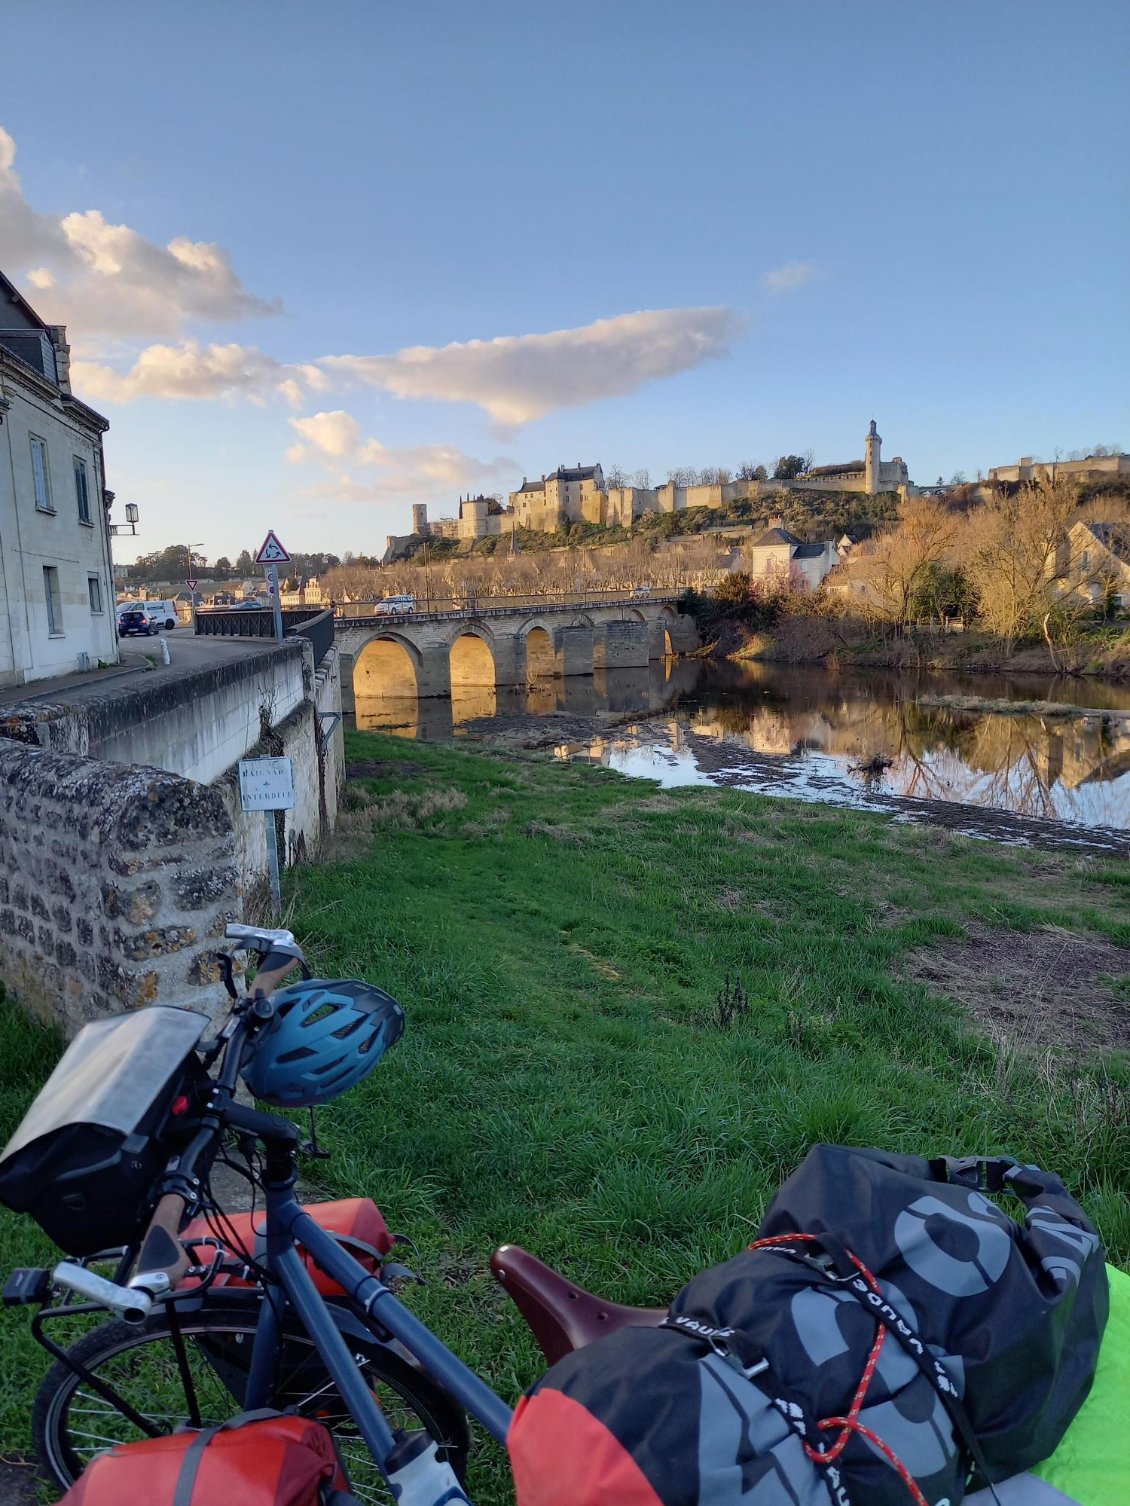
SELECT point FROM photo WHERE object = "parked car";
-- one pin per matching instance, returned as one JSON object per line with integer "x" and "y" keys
{"x": 396, "y": 606}
{"x": 136, "y": 620}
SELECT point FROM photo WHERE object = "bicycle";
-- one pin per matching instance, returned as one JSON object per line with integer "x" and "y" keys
{"x": 320, "y": 1332}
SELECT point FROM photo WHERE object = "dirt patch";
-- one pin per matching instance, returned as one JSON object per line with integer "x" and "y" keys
{"x": 18, "y": 1482}
{"x": 380, "y": 768}
{"x": 1037, "y": 990}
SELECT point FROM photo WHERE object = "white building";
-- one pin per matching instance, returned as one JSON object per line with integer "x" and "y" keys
{"x": 56, "y": 581}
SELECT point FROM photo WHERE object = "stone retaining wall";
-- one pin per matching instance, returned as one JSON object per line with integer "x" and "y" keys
{"x": 115, "y": 884}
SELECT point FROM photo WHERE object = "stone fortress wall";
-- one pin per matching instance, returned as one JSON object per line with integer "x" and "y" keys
{"x": 579, "y": 495}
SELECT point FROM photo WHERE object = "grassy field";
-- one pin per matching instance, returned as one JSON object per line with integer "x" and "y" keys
{"x": 559, "y": 937}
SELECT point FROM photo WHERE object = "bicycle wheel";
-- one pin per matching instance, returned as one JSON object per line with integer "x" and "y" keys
{"x": 204, "y": 1384}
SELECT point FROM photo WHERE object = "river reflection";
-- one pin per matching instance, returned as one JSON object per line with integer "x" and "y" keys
{"x": 805, "y": 732}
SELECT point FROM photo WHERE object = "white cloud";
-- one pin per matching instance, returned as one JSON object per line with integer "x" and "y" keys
{"x": 109, "y": 281}
{"x": 793, "y": 275}
{"x": 195, "y": 372}
{"x": 405, "y": 470}
{"x": 517, "y": 378}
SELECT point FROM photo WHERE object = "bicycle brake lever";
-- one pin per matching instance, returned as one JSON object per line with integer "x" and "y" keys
{"x": 227, "y": 973}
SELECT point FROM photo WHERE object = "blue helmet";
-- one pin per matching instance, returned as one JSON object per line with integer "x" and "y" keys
{"x": 323, "y": 1039}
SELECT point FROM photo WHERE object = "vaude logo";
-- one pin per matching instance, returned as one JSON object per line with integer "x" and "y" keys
{"x": 692, "y": 1325}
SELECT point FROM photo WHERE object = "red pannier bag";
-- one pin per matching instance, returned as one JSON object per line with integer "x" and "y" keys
{"x": 356, "y": 1223}
{"x": 255, "y": 1460}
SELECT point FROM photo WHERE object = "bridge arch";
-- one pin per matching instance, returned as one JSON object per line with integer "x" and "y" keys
{"x": 541, "y": 658}
{"x": 387, "y": 665}
{"x": 471, "y": 654}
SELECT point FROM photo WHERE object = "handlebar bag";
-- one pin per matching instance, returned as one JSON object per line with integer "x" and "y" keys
{"x": 255, "y": 1460}
{"x": 891, "y": 1336}
{"x": 84, "y": 1158}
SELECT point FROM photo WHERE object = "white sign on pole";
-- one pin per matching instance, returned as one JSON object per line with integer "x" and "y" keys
{"x": 266, "y": 784}
{"x": 272, "y": 552}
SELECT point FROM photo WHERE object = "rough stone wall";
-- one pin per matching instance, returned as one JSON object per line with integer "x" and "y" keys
{"x": 116, "y": 883}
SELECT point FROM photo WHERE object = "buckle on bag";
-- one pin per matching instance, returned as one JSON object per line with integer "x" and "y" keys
{"x": 725, "y": 1353}
{"x": 989, "y": 1171}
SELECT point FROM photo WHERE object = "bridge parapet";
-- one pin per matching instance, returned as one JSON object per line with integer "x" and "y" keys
{"x": 559, "y": 639}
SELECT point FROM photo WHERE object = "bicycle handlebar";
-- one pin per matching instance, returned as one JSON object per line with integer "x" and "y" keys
{"x": 132, "y": 1305}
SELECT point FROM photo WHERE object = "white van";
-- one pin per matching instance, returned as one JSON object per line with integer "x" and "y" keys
{"x": 163, "y": 613}
{"x": 396, "y": 606}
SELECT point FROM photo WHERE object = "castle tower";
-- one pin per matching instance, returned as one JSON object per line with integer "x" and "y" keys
{"x": 420, "y": 519}
{"x": 871, "y": 460}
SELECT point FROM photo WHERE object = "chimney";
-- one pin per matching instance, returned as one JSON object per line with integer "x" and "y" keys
{"x": 776, "y": 521}
{"x": 58, "y": 334}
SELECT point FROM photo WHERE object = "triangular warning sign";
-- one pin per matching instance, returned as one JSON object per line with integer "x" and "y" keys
{"x": 191, "y": 584}
{"x": 272, "y": 552}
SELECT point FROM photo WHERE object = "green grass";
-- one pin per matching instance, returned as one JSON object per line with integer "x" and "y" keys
{"x": 558, "y": 936}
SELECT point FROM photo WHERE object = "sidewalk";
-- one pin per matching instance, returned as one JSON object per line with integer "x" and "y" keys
{"x": 139, "y": 657}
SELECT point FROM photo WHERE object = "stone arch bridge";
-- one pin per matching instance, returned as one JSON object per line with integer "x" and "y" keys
{"x": 428, "y": 654}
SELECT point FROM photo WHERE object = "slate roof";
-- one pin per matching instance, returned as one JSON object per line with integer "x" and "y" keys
{"x": 776, "y": 536}
{"x": 1113, "y": 536}
{"x": 849, "y": 468}
{"x": 575, "y": 473}
{"x": 808, "y": 551}
{"x": 532, "y": 486}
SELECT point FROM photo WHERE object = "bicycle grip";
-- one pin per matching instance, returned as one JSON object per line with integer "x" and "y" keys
{"x": 162, "y": 1254}
{"x": 274, "y": 969}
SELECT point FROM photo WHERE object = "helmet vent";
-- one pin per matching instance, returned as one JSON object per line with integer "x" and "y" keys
{"x": 322, "y": 1012}
{"x": 297, "y": 1054}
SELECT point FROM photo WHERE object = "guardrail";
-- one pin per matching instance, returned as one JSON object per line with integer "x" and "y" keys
{"x": 319, "y": 630}
{"x": 433, "y": 609}
{"x": 250, "y": 622}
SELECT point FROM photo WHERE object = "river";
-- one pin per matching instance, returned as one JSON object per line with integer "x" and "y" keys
{"x": 871, "y": 739}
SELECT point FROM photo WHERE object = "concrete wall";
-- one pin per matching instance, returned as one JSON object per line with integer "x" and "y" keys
{"x": 197, "y": 722}
{"x": 115, "y": 884}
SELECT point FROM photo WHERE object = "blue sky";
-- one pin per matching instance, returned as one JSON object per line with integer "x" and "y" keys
{"x": 748, "y": 228}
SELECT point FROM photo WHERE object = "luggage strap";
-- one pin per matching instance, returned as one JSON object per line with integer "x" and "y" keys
{"x": 849, "y": 1274}
{"x": 190, "y": 1464}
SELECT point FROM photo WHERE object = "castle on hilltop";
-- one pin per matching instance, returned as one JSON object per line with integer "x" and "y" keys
{"x": 578, "y": 494}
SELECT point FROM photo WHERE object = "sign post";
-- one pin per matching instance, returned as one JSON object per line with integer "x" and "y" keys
{"x": 267, "y": 785}
{"x": 271, "y": 555}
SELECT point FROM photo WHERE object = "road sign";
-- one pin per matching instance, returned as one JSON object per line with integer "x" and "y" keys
{"x": 266, "y": 784}
{"x": 191, "y": 584}
{"x": 272, "y": 552}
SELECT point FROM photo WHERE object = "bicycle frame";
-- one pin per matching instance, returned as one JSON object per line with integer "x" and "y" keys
{"x": 375, "y": 1305}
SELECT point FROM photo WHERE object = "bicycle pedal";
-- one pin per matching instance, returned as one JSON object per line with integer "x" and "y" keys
{"x": 26, "y": 1286}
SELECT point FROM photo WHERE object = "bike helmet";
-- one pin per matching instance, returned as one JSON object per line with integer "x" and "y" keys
{"x": 324, "y": 1037}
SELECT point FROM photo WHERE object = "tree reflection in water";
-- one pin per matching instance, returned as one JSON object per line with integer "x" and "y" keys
{"x": 1075, "y": 770}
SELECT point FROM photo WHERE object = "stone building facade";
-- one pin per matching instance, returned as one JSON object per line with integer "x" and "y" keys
{"x": 570, "y": 495}
{"x": 578, "y": 494}
{"x": 56, "y": 577}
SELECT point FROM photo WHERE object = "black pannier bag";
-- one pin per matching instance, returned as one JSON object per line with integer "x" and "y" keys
{"x": 892, "y": 1336}
{"x": 86, "y": 1154}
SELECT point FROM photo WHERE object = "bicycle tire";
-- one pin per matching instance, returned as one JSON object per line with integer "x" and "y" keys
{"x": 71, "y": 1422}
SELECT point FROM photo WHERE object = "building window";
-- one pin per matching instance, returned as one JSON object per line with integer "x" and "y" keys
{"x": 81, "y": 493}
{"x": 40, "y": 475}
{"x": 94, "y": 588}
{"x": 54, "y": 601}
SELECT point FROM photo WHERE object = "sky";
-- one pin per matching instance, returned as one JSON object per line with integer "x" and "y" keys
{"x": 319, "y": 262}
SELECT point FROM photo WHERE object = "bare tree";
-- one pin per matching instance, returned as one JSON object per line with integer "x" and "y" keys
{"x": 897, "y": 564}
{"x": 1018, "y": 552}
{"x": 750, "y": 470}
